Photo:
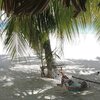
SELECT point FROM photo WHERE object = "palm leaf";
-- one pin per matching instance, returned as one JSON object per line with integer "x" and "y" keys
{"x": 16, "y": 45}
{"x": 20, "y": 7}
{"x": 44, "y": 17}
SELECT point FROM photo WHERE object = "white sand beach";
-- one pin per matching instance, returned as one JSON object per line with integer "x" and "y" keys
{"x": 22, "y": 81}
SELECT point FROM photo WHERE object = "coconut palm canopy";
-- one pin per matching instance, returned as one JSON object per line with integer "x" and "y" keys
{"x": 33, "y": 20}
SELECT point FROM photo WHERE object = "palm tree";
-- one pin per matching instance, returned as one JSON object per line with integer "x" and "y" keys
{"x": 34, "y": 20}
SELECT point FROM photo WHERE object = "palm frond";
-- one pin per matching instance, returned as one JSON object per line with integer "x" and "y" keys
{"x": 16, "y": 45}
{"x": 20, "y": 7}
{"x": 35, "y": 19}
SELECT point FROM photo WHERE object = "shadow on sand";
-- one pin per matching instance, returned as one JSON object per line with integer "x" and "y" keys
{"x": 23, "y": 83}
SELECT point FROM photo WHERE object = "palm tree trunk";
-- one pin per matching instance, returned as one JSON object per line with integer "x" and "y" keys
{"x": 49, "y": 58}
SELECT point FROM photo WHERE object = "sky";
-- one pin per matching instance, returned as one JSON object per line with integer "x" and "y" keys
{"x": 1, "y": 47}
{"x": 84, "y": 46}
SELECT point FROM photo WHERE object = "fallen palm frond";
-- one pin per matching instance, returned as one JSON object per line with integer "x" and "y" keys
{"x": 86, "y": 80}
